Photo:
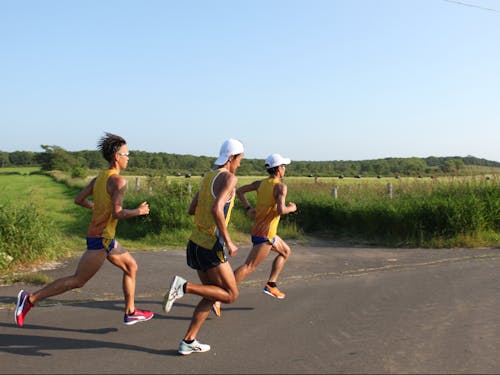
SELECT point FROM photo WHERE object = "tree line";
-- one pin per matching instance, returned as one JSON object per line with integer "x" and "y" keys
{"x": 160, "y": 163}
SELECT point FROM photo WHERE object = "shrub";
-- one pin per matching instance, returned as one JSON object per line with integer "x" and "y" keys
{"x": 168, "y": 203}
{"x": 416, "y": 216}
{"x": 25, "y": 235}
{"x": 78, "y": 172}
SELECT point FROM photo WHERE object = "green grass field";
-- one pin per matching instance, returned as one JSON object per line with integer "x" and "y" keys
{"x": 442, "y": 212}
{"x": 53, "y": 199}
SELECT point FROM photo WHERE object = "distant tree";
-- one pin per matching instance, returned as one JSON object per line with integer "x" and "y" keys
{"x": 459, "y": 164}
{"x": 92, "y": 159}
{"x": 56, "y": 158}
{"x": 448, "y": 166}
{"x": 156, "y": 162}
{"x": 381, "y": 167}
{"x": 22, "y": 158}
{"x": 413, "y": 166}
{"x": 366, "y": 168}
{"x": 4, "y": 159}
{"x": 138, "y": 160}
{"x": 146, "y": 163}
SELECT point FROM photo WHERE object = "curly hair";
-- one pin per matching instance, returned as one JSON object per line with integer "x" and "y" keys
{"x": 109, "y": 144}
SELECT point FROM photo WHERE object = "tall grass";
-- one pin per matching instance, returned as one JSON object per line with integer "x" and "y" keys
{"x": 38, "y": 220}
{"x": 439, "y": 213}
{"x": 462, "y": 213}
{"x": 428, "y": 213}
{"x": 168, "y": 222}
{"x": 26, "y": 235}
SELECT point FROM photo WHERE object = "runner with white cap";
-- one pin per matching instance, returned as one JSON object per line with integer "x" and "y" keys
{"x": 271, "y": 197}
{"x": 211, "y": 207}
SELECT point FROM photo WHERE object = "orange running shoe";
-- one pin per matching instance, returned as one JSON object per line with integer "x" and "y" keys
{"x": 216, "y": 309}
{"x": 273, "y": 291}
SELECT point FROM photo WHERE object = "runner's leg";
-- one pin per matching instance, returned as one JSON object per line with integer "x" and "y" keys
{"x": 126, "y": 262}
{"x": 221, "y": 287}
{"x": 257, "y": 255}
{"x": 284, "y": 251}
{"x": 90, "y": 262}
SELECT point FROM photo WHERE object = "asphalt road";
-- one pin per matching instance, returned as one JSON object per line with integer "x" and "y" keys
{"x": 348, "y": 310}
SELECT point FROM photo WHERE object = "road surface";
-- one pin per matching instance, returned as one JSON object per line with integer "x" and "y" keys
{"x": 348, "y": 310}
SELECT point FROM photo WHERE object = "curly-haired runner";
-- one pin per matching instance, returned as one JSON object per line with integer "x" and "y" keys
{"x": 107, "y": 191}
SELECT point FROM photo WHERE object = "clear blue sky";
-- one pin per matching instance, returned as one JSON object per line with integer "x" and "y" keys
{"x": 312, "y": 80}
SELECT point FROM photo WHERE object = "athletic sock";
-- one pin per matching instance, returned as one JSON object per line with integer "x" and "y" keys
{"x": 184, "y": 287}
{"x": 271, "y": 284}
{"x": 188, "y": 341}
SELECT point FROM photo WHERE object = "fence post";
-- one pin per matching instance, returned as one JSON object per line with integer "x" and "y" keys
{"x": 334, "y": 192}
{"x": 389, "y": 189}
{"x": 137, "y": 184}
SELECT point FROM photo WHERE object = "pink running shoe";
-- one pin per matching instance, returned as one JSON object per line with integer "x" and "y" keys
{"x": 23, "y": 305}
{"x": 137, "y": 317}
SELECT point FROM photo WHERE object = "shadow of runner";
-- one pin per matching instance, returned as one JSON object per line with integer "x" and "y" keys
{"x": 96, "y": 331}
{"x": 111, "y": 304}
{"x": 39, "y": 346}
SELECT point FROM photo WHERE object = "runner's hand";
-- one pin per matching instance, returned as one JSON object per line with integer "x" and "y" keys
{"x": 232, "y": 248}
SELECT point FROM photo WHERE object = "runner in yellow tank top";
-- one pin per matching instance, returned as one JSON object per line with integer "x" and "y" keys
{"x": 266, "y": 221}
{"x": 102, "y": 224}
{"x": 205, "y": 232}
{"x": 271, "y": 204}
{"x": 107, "y": 191}
{"x": 211, "y": 208}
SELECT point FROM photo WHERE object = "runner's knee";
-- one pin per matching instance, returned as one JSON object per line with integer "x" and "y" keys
{"x": 233, "y": 296}
{"x": 287, "y": 253}
{"x": 131, "y": 267}
{"x": 77, "y": 283}
{"x": 249, "y": 268}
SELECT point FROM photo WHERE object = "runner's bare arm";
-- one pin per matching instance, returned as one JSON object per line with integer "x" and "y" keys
{"x": 280, "y": 191}
{"x": 82, "y": 197}
{"x": 192, "y": 206}
{"x": 224, "y": 189}
{"x": 241, "y": 191}
{"x": 117, "y": 185}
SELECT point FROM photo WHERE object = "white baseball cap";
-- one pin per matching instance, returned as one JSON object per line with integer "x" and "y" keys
{"x": 275, "y": 160}
{"x": 228, "y": 148}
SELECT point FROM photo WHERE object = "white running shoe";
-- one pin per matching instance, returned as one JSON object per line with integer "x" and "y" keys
{"x": 194, "y": 347}
{"x": 175, "y": 292}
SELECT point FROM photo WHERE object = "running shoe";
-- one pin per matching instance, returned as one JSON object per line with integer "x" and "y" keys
{"x": 174, "y": 293}
{"x": 216, "y": 309}
{"x": 23, "y": 305}
{"x": 273, "y": 291}
{"x": 137, "y": 317}
{"x": 194, "y": 347}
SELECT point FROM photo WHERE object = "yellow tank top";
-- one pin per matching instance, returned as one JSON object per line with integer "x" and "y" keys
{"x": 102, "y": 223}
{"x": 266, "y": 215}
{"x": 205, "y": 232}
